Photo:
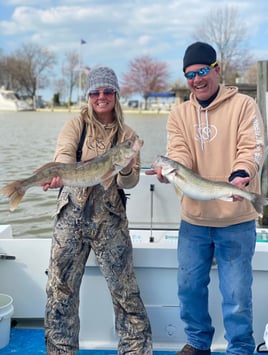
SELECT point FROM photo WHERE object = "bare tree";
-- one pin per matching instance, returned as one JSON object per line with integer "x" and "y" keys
{"x": 70, "y": 72}
{"x": 223, "y": 28}
{"x": 37, "y": 62}
{"x": 28, "y": 69}
{"x": 145, "y": 75}
{"x": 251, "y": 75}
{"x": 3, "y": 71}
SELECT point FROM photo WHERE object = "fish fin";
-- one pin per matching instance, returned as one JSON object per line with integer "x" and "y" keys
{"x": 47, "y": 165}
{"x": 178, "y": 191}
{"x": 108, "y": 174}
{"x": 14, "y": 192}
{"x": 227, "y": 198}
{"x": 107, "y": 178}
{"x": 85, "y": 162}
{"x": 107, "y": 183}
{"x": 258, "y": 202}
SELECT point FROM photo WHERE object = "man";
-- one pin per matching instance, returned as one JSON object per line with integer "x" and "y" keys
{"x": 218, "y": 134}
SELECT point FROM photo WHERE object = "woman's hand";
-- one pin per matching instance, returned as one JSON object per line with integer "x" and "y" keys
{"x": 55, "y": 183}
{"x": 128, "y": 169}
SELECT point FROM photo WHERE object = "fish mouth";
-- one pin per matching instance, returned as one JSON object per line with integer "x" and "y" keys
{"x": 138, "y": 143}
{"x": 158, "y": 163}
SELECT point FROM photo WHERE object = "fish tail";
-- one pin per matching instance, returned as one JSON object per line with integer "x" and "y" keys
{"x": 14, "y": 192}
{"x": 258, "y": 201}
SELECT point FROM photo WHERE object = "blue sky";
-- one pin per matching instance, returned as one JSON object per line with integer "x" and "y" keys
{"x": 117, "y": 31}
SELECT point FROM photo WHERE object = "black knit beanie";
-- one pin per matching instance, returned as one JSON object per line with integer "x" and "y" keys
{"x": 199, "y": 53}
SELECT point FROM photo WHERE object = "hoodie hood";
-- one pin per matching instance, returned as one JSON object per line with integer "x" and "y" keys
{"x": 224, "y": 94}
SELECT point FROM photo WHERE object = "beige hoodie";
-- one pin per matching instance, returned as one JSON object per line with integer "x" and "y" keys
{"x": 215, "y": 141}
{"x": 69, "y": 138}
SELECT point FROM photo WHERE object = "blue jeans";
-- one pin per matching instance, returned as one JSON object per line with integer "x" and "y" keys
{"x": 233, "y": 247}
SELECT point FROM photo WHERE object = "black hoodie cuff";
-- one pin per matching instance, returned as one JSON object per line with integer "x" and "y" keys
{"x": 238, "y": 173}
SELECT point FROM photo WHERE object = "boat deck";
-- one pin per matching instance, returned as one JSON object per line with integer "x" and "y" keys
{"x": 31, "y": 342}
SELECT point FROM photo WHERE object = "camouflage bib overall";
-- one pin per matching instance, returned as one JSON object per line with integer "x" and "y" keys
{"x": 96, "y": 222}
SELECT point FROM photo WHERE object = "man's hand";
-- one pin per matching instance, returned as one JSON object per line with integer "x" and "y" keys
{"x": 55, "y": 183}
{"x": 159, "y": 175}
{"x": 241, "y": 184}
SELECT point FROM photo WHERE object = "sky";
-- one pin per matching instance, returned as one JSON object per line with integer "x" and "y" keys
{"x": 117, "y": 31}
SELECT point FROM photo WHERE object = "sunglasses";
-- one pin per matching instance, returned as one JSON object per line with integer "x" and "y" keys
{"x": 105, "y": 92}
{"x": 201, "y": 72}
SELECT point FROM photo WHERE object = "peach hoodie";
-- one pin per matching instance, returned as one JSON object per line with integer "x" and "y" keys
{"x": 214, "y": 141}
{"x": 69, "y": 138}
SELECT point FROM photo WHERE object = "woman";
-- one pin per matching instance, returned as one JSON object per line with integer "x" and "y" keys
{"x": 94, "y": 218}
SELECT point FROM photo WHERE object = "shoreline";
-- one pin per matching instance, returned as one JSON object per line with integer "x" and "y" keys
{"x": 126, "y": 111}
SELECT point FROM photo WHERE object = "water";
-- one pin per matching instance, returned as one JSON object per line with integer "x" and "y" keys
{"x": 28, "y": 141}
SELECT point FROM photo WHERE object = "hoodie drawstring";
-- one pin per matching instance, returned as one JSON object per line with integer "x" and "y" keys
{"x": 202, "y": 131}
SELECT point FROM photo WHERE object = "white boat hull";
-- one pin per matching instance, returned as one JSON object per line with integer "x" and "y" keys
{"x": 156, "y": 268}
{"x": 10, "y": 102}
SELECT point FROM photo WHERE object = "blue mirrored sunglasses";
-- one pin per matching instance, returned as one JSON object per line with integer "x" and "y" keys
{"x": 201, "y": 72}
{"x": 105, "y": 92}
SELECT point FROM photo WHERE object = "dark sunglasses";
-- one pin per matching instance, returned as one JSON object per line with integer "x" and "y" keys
{"x": 105, "y": 92}
{"x": 201, "y": 72}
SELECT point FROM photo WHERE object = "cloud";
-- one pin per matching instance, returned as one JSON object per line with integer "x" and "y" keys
{"x": 117, "y": 31}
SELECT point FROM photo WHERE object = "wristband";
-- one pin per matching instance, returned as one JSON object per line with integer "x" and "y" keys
{"x": 125, "y": 173}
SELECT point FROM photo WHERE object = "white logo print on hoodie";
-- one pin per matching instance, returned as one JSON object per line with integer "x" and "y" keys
{"x": 204, "y": 132}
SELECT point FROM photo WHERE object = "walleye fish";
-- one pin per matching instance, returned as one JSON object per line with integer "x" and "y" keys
{"x": 199, "y": 188}
{"x": 99, "y": 170}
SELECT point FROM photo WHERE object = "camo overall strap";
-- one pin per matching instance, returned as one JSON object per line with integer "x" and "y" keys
{"x": 81, "y": 142}
{"x": 120, "y": 191}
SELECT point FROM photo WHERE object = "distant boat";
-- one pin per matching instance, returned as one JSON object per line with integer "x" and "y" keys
{"x": 10, "y": 101}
